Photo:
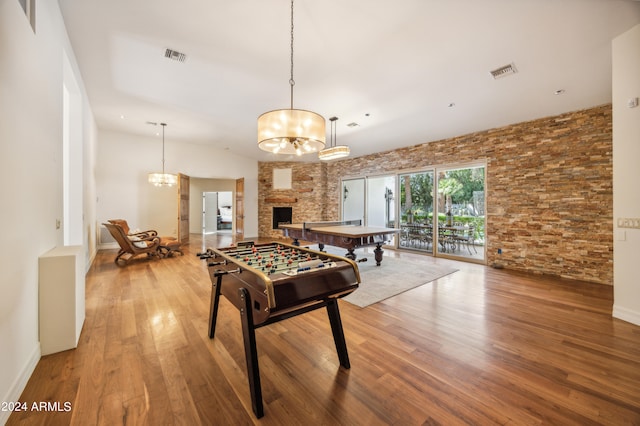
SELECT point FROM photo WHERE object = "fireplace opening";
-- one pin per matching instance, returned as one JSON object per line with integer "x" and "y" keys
{"x": 281, "y": 216}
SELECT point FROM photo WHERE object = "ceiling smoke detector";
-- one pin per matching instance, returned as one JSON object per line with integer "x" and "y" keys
{"x": 504, "y": 71}
{"x": 175, "y": 55}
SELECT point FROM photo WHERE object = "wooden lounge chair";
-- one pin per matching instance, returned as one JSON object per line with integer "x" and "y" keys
{"x": 125, "y": 227}
{"x": 132, "y": 246}
{"x": 168, "y": 245}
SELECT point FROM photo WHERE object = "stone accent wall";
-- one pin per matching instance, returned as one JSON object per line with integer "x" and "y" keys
{"x": 307, "y": 197}
{"x": 549, "y": 190}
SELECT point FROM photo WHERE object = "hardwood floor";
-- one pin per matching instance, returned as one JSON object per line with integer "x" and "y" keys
{"x": 480, "y": 346}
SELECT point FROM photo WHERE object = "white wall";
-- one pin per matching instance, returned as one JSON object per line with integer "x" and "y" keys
{"x": 123, "y": 191}
{"x": 626, "y": 174}
{"x": 31, "y": 107}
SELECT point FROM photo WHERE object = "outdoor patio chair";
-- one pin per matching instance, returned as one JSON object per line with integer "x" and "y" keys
{"x": 467, "y": 237}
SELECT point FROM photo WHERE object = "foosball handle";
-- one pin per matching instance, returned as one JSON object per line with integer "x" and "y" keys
{"x": 206, "y": 255}
{"x": 221, "y": 272}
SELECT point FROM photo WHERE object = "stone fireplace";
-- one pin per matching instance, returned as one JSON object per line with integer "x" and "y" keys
{"x": 281, "y": 215}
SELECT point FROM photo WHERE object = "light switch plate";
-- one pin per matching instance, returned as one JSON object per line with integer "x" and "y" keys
{"x": 626, "y": 222}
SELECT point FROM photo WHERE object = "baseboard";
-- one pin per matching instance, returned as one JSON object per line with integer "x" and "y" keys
{"x": 107, "y": 246}
{"x": 92, "y": 257}
{"x": 626, "y": 314}
{"x": 21, "y": 382}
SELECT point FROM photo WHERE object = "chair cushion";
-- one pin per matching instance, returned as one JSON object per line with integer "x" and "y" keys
{"x": 137, "y": 242}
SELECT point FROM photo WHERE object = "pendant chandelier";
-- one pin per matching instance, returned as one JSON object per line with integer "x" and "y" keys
{"x": 291, "y": 131}
{"x": 334, "y": 151}
{"x": 163, "y": 179}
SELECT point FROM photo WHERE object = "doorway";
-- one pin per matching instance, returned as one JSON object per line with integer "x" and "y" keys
{"x": 217, "y": 212}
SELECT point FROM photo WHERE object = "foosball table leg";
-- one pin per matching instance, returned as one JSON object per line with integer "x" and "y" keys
{"x": 338, "y": 332}
{"x": 251, "y": 353}
{"x": 213, "y": 308}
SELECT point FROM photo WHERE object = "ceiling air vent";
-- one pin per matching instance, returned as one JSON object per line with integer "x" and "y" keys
{"x": 504, "y": 71}
{"x": 175, "y": 55}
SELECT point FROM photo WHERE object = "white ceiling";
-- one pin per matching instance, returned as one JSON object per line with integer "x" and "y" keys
{"x": 393, "y": 67}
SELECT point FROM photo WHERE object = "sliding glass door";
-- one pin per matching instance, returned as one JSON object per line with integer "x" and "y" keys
{"x": 416, "y": 210}
{"x": 370, "y": 199}
{"x": 381, "y": 211}
{"x": 461, "y": 212}
{"x": 353, "y": 199}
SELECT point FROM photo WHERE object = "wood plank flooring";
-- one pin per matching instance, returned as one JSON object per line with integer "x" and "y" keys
{"x": 480, "y": 346}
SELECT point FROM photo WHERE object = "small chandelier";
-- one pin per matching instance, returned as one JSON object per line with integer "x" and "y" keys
{"x": 163, "y": 179}
{"x": 334, "y": 151}
{"x": 291, "y": 131}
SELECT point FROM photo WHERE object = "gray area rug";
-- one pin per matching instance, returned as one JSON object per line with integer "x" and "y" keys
{"x": 392, "y": 277}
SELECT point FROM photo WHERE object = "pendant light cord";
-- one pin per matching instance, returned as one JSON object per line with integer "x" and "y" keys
{"x": 163, "y": 125}
{"x": 335, "y": 132}
{"x": 333, "y": 137}
{"x": 291, "y": 80}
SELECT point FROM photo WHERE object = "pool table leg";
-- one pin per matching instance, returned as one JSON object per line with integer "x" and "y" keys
{"x": 378, "y": 252}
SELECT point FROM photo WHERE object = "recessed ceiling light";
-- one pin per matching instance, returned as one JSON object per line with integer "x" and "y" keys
{"x": 353, "y": 124}
{"x": 451, "y": 105}
{"x": 559, "y": 92}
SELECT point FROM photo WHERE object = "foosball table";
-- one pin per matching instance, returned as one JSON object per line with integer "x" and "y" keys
{"x": 275, "y": 281}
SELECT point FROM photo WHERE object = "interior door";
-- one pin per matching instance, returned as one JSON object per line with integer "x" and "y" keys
{"x": 239, "y": 209}
{"x": 183, "y": 208}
